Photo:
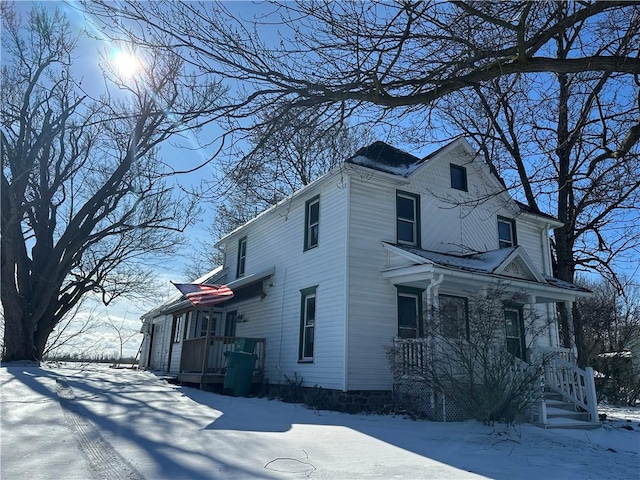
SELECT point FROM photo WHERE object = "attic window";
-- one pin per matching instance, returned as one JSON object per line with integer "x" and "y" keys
{"x": 458, "y": 177}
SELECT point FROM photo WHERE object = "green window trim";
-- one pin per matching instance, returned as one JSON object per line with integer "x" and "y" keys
{"x": 311, "y": 223}
{"x": 446, "y": 329}
{"x": 242, "y": 257}
{"x": 408, "y": 297}
{"x": 308, "y": 308}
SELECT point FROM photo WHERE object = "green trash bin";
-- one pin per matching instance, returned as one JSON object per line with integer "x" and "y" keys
{"x": 237, "y": 379}
{"x": 247, "y": 345}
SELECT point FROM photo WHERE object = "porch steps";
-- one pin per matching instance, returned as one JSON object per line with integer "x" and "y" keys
{"x": 564, "y": 414}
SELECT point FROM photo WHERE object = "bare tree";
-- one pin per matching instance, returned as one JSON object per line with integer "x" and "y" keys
{"x": 70, "y": 334}
{"x": 282, "y": 155}
{"x": 567, "y": 143}
{"x": 394, "y": 62}
{"x": 85, "y": 202}
{"x": 468, "y": 363}
{"x": 611, "y": 322}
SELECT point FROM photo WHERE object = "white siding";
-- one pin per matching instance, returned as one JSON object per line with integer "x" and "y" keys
{"x": 372, "y": 300}
{"x": 160, "y": 344}
{"x": 276, "y": 238}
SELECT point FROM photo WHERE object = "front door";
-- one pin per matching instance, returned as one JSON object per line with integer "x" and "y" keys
{"x": 515, "y": 332}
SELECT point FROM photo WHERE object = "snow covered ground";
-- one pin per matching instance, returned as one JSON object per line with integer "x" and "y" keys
{"x": 78, "y": 421}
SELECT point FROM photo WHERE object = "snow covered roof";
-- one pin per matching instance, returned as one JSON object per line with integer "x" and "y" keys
{"x": 385, "y": 158}
{"x": 490, "y": 262}
{"x": 485, "y": 262}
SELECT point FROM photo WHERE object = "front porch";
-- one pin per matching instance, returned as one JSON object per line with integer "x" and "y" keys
{"x": 203, "y": 359}
{"x": 561, "y": 395}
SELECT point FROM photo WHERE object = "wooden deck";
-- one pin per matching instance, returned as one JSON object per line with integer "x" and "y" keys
{"x": 204, "y": 362}
{"x": 211, "y": 378}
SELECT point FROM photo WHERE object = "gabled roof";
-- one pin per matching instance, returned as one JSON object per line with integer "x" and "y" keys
{"x": 510, "y": 262}
{"x": 385, "y": 158}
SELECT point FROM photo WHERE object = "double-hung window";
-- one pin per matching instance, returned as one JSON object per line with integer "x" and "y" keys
{"x": 311, "y": 223}
{"x": 307, "y": 324}
{"x": 408, "y": 218}
{"x": 506, "y": 232}
{"x": 454, "y": 317}
{"x": 242, "y": 256}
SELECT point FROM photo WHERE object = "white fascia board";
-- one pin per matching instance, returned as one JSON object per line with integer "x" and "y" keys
{"x": 413, "y": 273}
{"x": 412, "y": 257}
{"x": 540, "y": 220}
{"x": 537, "y": 289}
{"x": 368, "y": 174}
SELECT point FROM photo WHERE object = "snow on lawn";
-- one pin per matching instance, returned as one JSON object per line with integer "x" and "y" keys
{"x": 76, "y": 421}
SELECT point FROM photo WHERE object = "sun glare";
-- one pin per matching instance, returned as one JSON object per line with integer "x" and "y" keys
{"x": 125, "y": 64}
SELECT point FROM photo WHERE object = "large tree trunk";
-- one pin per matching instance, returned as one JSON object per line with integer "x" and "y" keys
{"x": 18, "y": 334}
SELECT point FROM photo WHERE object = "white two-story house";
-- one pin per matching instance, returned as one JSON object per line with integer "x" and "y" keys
{"x": 331, "y": 276}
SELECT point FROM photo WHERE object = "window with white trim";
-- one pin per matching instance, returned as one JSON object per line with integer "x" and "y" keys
{"x": 506, "y": 232}
{"x": 408, "y": 218}
{"x": 312, "y": 223}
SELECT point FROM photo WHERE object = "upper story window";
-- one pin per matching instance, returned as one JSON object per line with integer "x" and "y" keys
{"x": 506, "y": 232}
{"x": 408, "y": 218}
{"x": 311, "y": 223}
{"x": 242, "y": 256}
{"x": 458, "y": 177}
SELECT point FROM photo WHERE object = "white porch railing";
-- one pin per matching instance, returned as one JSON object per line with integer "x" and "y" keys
{"x": 573, "y": 383}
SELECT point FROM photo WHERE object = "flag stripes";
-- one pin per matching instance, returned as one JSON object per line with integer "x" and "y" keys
{"x": 202, "y": 295}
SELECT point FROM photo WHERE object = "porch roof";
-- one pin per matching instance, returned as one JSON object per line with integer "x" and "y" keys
{"x": 178, "y": 301}
{"x": 511, "y": 265}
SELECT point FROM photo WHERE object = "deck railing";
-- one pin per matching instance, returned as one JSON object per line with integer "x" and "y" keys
{"x": 573, "y": 383}
{"x": 193, "y": 351}
{"x": 410, "y": 357}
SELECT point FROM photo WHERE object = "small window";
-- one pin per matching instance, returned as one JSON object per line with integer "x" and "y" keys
{"x": 198, "y": 324}
{"x": 454, "y": 316}
{"x": 312, "y": 223}
{"x": 458, "y": 177}
{"x": 177, "y": 328}
{"x": 230, "y": 324}
{"x": 410, "y": 313}
{"x": 506, "y": 232}
{"x": 307, "y": 324}
{"x": 242, "y": 256}
{"x": 408, "y": 218}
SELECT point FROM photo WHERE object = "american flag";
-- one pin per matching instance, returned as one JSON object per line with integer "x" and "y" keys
{"x": 202, "y": 295}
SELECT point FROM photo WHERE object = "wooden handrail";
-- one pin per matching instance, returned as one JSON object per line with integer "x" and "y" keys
{"x": 193, "y": 351}
{"x": 573, "y": 383}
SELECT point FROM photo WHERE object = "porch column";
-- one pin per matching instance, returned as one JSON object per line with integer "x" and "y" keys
{"x": 568, "y": 307}
{"x": 433, "y": 302}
